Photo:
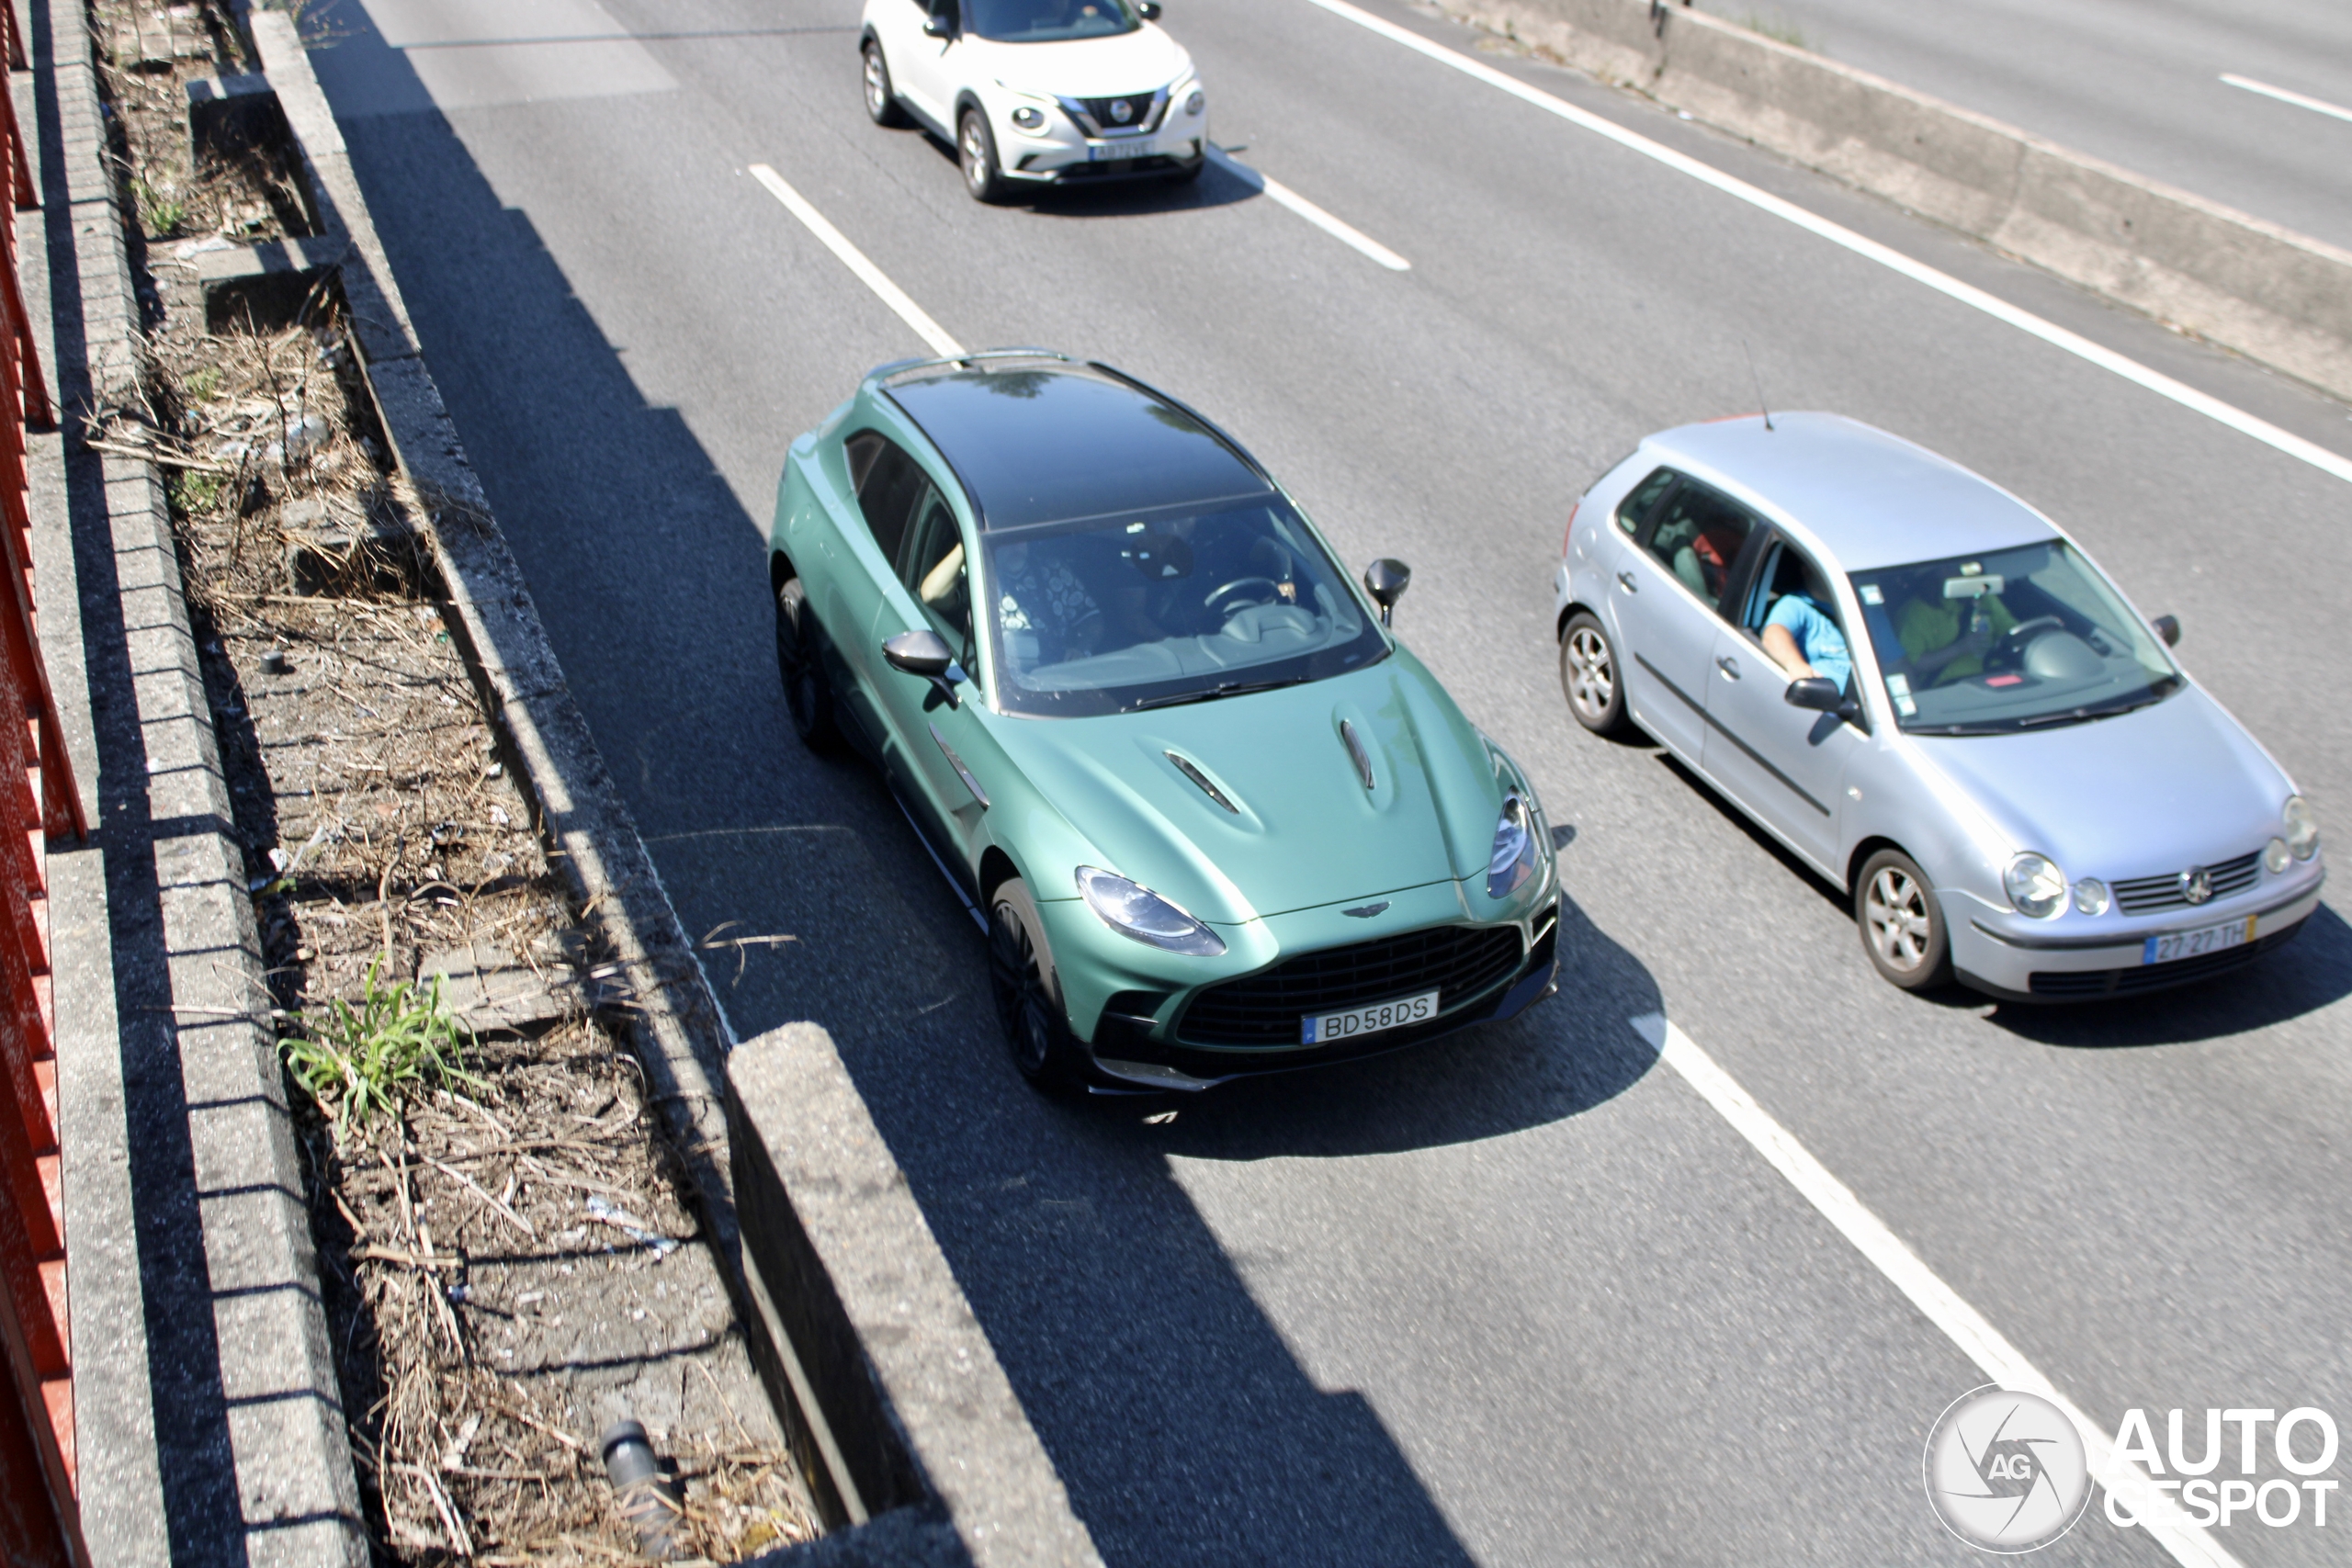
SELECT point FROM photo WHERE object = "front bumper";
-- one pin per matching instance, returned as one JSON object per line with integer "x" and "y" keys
{"x": 2004, "y": 956}
{"x": 1063, "y": 153}
{"x": 1146, "y": 1049}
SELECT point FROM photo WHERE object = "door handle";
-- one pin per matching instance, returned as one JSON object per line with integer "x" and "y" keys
{"x": 1625, "y": 580}
{"x": 1729, "y": 666}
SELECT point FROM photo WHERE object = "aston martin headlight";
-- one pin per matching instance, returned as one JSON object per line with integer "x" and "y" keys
{"x": 2302, "y": 827}
{"x": 1134, "y": 910}
{"x": 2035, "y": 885}
{"x": 1196, "y": 102}
{"x": 2091, "y": 897}
{"x": 1029, "y": 116}
{"x": 1512, "y": 861}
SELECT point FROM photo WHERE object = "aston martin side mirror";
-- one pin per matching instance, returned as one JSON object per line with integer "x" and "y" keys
{"x": 1387, "y": 581}
{"x": 926, "y": 654}
{"x": 2169, "y": 629}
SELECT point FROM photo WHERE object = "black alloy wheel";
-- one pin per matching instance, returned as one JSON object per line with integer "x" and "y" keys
{"x": 1589, "y": 675}
{"x": 1902, "y": 925}
{"x": 1028, "y": 994}
{"x": 799, "y": 660}
{"x": 882, "y": 104}
{"x": 976, "y": 150}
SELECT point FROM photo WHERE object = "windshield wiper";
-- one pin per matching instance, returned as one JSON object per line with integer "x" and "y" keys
{"x": 1222, "y": 689}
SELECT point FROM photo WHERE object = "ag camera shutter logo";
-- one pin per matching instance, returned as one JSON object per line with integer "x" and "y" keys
{"x": 2006, "y": 1472}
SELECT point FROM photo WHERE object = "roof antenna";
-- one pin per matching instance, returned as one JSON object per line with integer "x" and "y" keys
{"x": 1758, "y": 380}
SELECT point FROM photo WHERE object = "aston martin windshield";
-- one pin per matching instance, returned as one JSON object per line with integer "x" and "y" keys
{"x": 1106, "y": 614}
{"x": 2008, "y": 640}
{"x": 1049, "y": 21}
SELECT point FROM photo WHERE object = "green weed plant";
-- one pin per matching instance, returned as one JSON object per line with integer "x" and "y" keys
{"x": 361, "y": 1062}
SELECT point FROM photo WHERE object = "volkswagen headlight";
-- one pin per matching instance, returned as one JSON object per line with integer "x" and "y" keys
{"x": 2035, "y": 885}
{"x": 1512, "y": 860}
{"x": 2091, "y": 897}
{"x": 1134, "y": 910}
{"x": 2302, "y": 827}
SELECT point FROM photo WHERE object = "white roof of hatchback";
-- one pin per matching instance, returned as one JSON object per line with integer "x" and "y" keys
{"x": 1871, "y": 499}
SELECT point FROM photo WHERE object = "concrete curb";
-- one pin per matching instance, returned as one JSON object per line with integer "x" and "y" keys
{"x": 266, "y": 1410}
{"x": 2265, "y": 291}
{"x": 887, "y": 1393}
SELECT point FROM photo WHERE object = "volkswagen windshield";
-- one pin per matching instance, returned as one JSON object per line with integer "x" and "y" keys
{"x": 2008, "y": 640}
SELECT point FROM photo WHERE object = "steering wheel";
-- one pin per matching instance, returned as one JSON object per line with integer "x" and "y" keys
{"x": 1267, "y": 588}
{"x": 2009, "y": 652}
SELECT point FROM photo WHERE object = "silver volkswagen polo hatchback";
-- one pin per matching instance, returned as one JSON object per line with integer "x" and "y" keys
{"x": 1928, "y": 693}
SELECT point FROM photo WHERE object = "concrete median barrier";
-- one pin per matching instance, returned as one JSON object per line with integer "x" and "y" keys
{"x": 2261, "y": 290}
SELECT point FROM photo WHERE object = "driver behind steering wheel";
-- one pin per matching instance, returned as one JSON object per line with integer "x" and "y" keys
{"x": 1946, "y": 638}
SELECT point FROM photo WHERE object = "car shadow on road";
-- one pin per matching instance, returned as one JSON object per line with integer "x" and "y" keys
{"x": 2310, "y": 973}
{"x": 1185, "y": 1428}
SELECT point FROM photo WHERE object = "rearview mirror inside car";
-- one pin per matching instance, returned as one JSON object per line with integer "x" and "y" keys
{"x": 1387, "y": 581}
{"x": 1817, "y": 693}
{"x": 2169, "y": 629}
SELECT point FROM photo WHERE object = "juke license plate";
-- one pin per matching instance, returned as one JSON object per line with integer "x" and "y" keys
{"x": 2196, "y": 943}
{"x": 1322, "y": 1028}
{"x": 1098, "y": 151}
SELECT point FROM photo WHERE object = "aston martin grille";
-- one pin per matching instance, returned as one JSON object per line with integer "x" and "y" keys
{"x": 1458, "y": 962}
{"x": 2147, "y": 895}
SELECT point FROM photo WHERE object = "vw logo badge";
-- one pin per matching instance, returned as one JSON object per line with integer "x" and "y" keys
{"x": 1123, "y": 112}
{"x": 2197, "y": 884}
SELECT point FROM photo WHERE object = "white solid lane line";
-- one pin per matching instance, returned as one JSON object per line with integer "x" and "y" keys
{"x": 1962, "y": 1324}
{"x": 873, "y": 276}
{"x": 2163, "y": 386}
{"x": 1347, "y": 234}
{"x": 2319, "y": 105}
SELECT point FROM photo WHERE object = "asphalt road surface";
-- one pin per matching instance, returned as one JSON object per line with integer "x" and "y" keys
{"x": 1522, "y": 1297}
{"x": 2138, "y": 83}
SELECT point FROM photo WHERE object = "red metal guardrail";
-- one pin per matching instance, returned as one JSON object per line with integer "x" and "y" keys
{"x": 39, "y": 1511}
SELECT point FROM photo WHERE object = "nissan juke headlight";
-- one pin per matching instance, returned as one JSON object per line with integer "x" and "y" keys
{"x": 1135, "y": 911}
{"x": 1511, "y": 863}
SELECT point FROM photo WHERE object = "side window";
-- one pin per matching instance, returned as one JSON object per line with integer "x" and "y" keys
{"x": 886, "y": 490}
{"x": 936, "y": 572}
{"x": 1638, "y": 502}
{"x": 1698, "y": 533}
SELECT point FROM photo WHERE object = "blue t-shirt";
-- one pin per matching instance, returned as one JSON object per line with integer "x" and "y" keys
{"x": 1818, "y": 639}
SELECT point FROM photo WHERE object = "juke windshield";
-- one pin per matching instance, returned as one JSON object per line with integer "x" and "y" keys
{"x": 2009, "y": 640}
{"x": 1049, "y": 21}
{"x": 1148, "y": 609}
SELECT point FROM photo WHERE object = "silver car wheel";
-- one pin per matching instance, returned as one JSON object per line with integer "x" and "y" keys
{"x": 1896, "y": 908}
{"x": 878, "y": 85}
{"x": 975, "y": 149}
{"x": 1592, "y": 679}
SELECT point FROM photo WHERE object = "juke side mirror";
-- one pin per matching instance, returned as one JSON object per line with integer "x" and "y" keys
{"x": 1387, "y": 581}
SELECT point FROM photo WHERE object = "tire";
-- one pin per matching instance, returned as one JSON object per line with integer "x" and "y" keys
{"x": 976, "y": 150}
{"x": 1028, "y": 993}
{"x": 1902, "y": 925}
{"x": 799, "y": 660}
{"x": 1589, "y": 675}
{"x": 882, "y": 104}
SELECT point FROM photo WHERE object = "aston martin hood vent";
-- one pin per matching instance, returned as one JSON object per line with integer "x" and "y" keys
{"x": 1191, "y": 770}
